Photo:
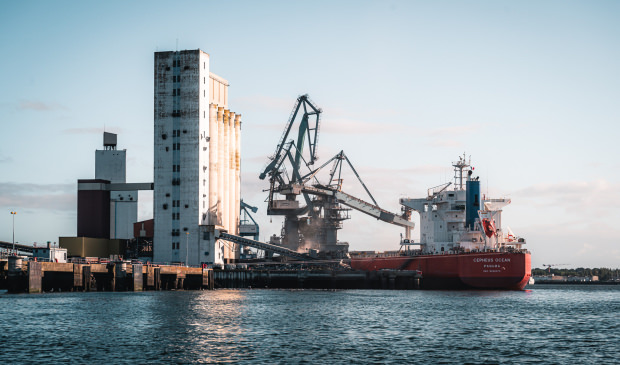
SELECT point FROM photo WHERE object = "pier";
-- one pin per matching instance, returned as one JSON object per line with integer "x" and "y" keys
{"x": 21, "y": 276}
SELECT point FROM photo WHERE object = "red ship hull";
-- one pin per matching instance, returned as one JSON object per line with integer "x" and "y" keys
{"x": 482, "y": 270}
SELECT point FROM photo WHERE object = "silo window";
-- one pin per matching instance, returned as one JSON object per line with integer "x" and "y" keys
{"x": 165, "y": 206}
{"x": 164, "y": 136}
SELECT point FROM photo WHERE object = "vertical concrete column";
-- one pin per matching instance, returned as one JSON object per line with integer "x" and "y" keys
{"x": 232, "y": 141}
{"x": 213, "y": 162}
{"x": 226, "y": 141}
{"x": 35, "y": 275}
{"x": 78, "y": 281}
{"x": 136, "y": 272}
{"x": 157, "y": 278}
{"x": 220, "y": 165}
{"x": 86, "y": 277}
{"x": 237, "y": 169}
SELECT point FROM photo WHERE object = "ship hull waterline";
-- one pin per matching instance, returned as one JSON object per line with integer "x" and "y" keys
{"x": 482, "y": 270}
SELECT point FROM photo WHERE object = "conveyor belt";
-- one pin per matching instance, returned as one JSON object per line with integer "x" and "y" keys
{"x": 264, "y": 246}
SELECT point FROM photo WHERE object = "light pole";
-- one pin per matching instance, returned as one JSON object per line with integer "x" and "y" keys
{"x": 186, "y": 247}
{"x": 13, "y": 214}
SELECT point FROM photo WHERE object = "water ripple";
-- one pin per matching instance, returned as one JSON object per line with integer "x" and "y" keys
{"x": 550, "y": 325}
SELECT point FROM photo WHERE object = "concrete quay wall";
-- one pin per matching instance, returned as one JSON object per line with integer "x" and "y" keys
{"x": 19, "y": 276}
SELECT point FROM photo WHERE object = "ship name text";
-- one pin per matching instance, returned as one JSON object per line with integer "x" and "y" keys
{"x": 488, "y": 259}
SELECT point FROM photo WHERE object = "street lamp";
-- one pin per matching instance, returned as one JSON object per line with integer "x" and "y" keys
{"x": 13, "y": 214}
{"x": 186, "y": 247}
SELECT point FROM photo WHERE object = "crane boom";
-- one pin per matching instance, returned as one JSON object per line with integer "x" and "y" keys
{"x": 361, "y": 205}
{"x": 306, "y": 130}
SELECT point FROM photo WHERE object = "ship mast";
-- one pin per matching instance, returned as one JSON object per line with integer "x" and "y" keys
{"x": 459, "y": 176}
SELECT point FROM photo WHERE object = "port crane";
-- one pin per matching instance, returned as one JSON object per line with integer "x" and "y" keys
{"x": 313, "y": 226}
{"x": 549, "y": 266}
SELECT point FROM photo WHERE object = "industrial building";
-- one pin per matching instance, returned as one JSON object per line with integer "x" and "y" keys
{"x": 196, "y": 161}
{"x": 107, "y": 206}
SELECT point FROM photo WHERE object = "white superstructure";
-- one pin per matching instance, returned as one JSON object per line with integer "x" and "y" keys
{"x": 454, "y": 218}
{"x": 197, "y": 161}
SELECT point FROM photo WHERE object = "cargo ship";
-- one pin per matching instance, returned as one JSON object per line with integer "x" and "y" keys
{"x": 462, "y": 243}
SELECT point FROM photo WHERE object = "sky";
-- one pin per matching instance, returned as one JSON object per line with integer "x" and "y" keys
{"x": 528, "y": 89}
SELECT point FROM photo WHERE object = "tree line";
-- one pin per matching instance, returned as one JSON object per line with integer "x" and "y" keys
{"x": 604, "y": 274}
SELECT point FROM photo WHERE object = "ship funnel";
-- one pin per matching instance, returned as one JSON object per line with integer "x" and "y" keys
{"x": 472, "y": 203}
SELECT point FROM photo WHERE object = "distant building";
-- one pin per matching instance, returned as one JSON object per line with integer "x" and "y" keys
{"x": 111, "y": 165}
{"x": 107, "y": 204}
{"x": 196, "y": 162}
{"x": 50, "y": 254}
{"x": 107, "y": 207}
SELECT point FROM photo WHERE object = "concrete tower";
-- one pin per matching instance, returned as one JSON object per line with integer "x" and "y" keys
{"x": 196, "y": 164}
{"x": 110, "y": 165}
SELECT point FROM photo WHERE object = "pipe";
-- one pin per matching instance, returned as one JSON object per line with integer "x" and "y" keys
{"x": 231, "y": 174}
{"x": 226, "y": 167}
{"x": 237, "y": 174}
{"x": 213, "y": 163}
{"x": 220, "y": 165}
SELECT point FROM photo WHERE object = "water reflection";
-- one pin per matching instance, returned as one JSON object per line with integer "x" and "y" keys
{"x": 281, "y": 326}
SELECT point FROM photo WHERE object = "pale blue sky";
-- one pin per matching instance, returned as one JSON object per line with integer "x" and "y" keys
{"x": 530, "y": 89}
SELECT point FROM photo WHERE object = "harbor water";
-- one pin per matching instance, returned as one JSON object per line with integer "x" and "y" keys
{"x": 546, "y": 324}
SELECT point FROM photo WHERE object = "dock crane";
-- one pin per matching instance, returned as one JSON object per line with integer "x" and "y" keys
{"x": 306, "y": 130}
{"x": 314, "y": 226}
{"x": 549, "y": 266}
{"x": 247, "y": 225}
{"x": 335, "y": 190}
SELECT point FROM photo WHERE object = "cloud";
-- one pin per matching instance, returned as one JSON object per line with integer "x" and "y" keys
{"x": 57, "y": 197}
{"x": 4, "y": 159}
{"x": 356, "y": 126}
{"x": 83, "y": 131}
{"x": 443, "y": 137}
{"x": 265, "y": 102}
{"x": 93, "y": 130}
{"x": 447, "y": 143}
{"x": 455, "y": 130}
{"x": 597, "y": 198}
{"x": 38, "y": 106}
